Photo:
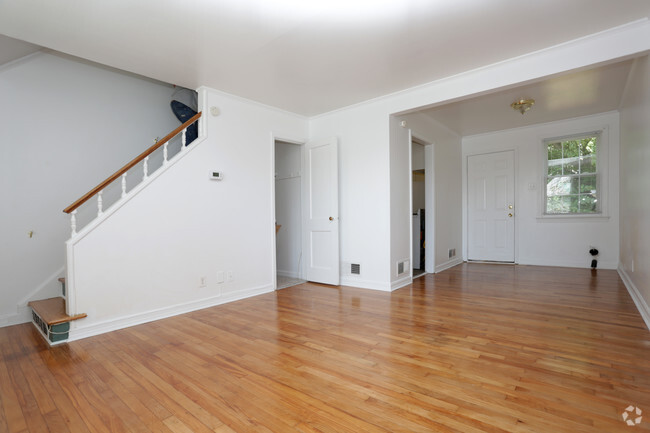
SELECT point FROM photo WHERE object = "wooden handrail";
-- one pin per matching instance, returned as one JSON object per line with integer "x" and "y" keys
{"x": 130, "y": 165}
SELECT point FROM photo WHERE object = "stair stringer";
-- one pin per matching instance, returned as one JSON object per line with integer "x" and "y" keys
{"x": 71, "y": 292}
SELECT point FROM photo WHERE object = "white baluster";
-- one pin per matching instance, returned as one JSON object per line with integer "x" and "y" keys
{"x": 73, "y": 222}
{"x": 123, "y": 184}
{"x": 183, "y": 139}
{"x": 100, "y": 203}
{"x": 165, "y": 153}
{"x": 145, "y": 168}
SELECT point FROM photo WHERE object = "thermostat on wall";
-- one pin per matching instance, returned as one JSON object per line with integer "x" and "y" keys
{"x": 216, "y": 175}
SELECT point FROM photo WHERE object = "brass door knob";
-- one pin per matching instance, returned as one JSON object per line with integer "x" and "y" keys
{"x": 510, "y": 215}
{"x": 331, "y": 219}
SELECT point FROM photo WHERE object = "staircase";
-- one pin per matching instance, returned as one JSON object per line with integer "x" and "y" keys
{"x": 52, "y": 317}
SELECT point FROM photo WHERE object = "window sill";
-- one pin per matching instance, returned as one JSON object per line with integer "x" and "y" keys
{"x": 572, "y": 218}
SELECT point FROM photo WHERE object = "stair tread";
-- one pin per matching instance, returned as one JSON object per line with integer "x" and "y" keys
{"x": 52, "y": 311}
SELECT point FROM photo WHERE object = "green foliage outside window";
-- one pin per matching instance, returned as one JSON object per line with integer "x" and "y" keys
{"x": 572, "y": 176}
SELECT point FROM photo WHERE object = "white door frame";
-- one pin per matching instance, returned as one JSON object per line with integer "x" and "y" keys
{"x": 299, "y": 142}
{"x": 465, "y": 198}
{"x": 429, "y": 203}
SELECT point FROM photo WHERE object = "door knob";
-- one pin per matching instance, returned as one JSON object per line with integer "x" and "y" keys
{"x": 510, "y": 207}
{"x": 510, "y": 215}
{"x": 331, "y": 219}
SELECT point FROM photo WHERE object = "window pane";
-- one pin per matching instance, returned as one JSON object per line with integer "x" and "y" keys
{"x": 555, "y": 167}
{"x": 562, "y": 204}
{"x": 571, "y": 149}
{"x": 588, "y": 203}
{"x": 554, "y": 151}
{"x": 571, "y": 165}
{"x": 588, "y": 146}
{"x": 588, "y": 184}
{"x": 556, "y": 205}
{"x": 558, "y": 186}
{"x": 572, "y": 176}
{"x": 588, "y": 164}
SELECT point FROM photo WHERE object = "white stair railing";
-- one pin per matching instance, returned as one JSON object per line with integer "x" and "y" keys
{"x": 122, "y": 173}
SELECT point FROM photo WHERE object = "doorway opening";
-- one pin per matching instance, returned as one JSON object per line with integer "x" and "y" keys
{"x": 288, "y": 220}
{"x": 418, "y": 206}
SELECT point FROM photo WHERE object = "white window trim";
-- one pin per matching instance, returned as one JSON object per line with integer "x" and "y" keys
{"x": 603, "y": 178}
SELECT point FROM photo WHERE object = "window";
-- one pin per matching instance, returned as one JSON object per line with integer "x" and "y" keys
{"x": 572, "y": 175}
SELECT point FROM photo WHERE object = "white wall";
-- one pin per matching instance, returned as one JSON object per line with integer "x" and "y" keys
{"x": 145, "y": 261}
{"x": 365, "y": 149}
{"x": 448, "y": 199}
{"x": 363, "y": 190}
{"x": 635, "y": 186}
{"x": 66, "y": 126}
{"x": 400, "y": 202}
{"x": 555, "y": 241}
{"x": 287, "y": 208}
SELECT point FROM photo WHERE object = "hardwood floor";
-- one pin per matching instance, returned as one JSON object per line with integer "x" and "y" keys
{"x": 477, "y": 348}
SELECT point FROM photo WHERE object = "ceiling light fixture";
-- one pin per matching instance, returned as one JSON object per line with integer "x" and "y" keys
{"x": 522, "y": 105}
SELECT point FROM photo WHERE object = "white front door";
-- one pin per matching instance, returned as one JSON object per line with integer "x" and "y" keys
{"x": 320, "y": 212}
{"x": 490, "y": 207}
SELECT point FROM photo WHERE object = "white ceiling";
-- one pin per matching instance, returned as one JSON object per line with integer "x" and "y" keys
{"x": 307, "y": 56}
{"x": 576, "y": 94}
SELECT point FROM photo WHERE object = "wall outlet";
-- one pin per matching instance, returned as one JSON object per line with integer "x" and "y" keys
{"x": 230, "y": 276}
{"x": 220, "y": 277}
{"x": 203, "y": 281}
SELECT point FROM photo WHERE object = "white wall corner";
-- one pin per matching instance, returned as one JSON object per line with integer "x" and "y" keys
{"x": 636, "y": 296}
{"x": 401, "y": 282}
{"x": 449, "y": 264}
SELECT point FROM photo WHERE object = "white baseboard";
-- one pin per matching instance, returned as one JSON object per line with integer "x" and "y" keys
{"x": 79, "y": 330}
{"x": 636, "y": 296}
{"x": 448, "y": 264}
{"x": 398, "y": 284}
{"x": 562, "y": 263}
{"x": 365, "y": 284}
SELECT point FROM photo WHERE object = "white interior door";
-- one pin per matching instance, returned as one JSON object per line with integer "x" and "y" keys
{"x": 490, "y": 207}
{"x": 320, "y": 213}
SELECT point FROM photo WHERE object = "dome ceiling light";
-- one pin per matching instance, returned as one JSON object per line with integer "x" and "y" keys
{"x": 522, "y": 105}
